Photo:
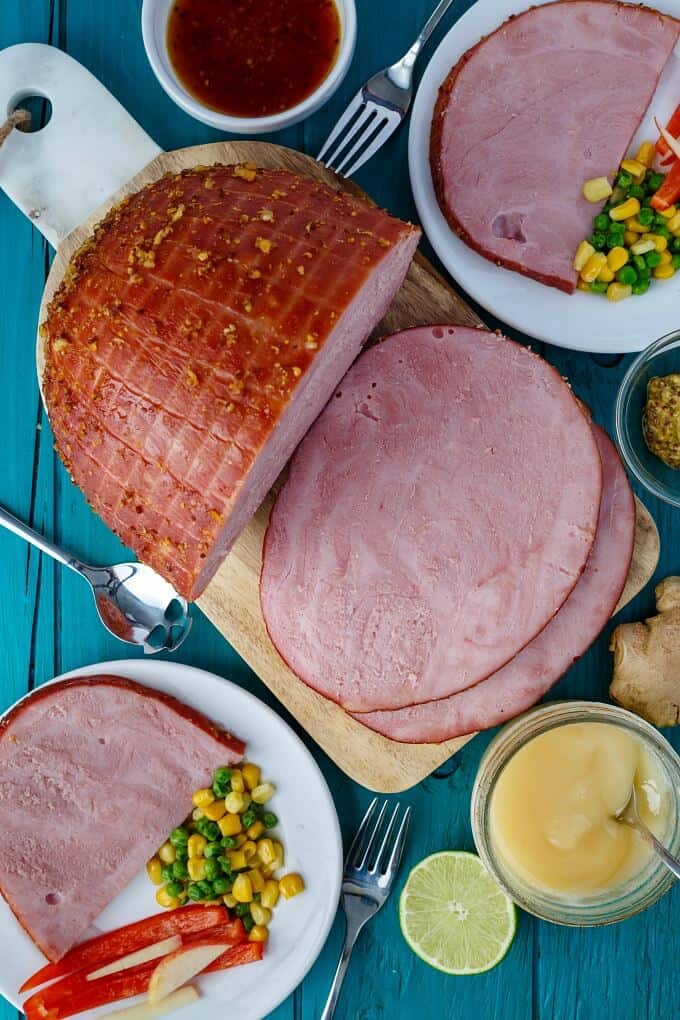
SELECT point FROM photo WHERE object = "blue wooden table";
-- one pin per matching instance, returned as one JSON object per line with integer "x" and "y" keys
{"x": 48, "y": 623}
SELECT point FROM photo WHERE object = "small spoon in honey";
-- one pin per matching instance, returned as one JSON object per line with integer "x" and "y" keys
{"x": 630, "y": 816}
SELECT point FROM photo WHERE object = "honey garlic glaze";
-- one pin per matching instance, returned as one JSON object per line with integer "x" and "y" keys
{"x": 252, "y": 58}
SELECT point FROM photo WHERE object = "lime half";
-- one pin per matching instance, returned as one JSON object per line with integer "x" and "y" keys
{"x": 454, "y": 915}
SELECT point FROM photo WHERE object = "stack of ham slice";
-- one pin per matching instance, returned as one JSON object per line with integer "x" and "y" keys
{"x": 452, "y": 536}
{"x": 549, "y": 100}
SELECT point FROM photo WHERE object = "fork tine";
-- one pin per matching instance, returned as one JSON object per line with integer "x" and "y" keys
{"x": 353, "y": 108}
{"x": 372, "y": 840}
{"x": 361, "y": 831}
{"x": 375, "y": 123}
{"x": 379, "y": 140}
{"x": 386, "y": 844}
{"x": 398, "y": 848}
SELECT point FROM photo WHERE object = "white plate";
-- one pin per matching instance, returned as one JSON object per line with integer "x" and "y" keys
{"x": 310, "y": 834}
{"x": 581, "y": 322}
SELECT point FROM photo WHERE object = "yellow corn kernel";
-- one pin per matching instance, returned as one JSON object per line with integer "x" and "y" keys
{"x": 249, "y": 849}
{"x": 583, "y": 286}
{"x": 646, "y": 154}
{"x": 666, "y": 258}
{"x": 619, "y": 291}
{"x": 196, "y": 845}
{"x": 230, "y": 825}
{"x": 597, "y": 189}
{"x": 633, "y": 224}
{"x": 260, "y": 914}
{"x": 258, "y": 933}
{"x": 237, "y": 781}
{"x": 265, "y": 791}
{"x": 605, "y": 275}
{"x": 291, "y": 885}
{"x": 234, "y": 803}
{"x": 256, "y": 880}
{"x": 243, "y": 889}
{"x": 197, "y": 814}
{"x": 255, "y": 830}
{"x": 631, "y": 207}
{"x": 617, "y": 258}
{"x": 642, "y": 247}
{"x": 229, "y": 900}
{"x": 196, "y": 868}
{"x": 636, "y": 169}
{"x": 630, "y": 237}
{"x": 237, "y": 860}
{"x": 668, "y": 213}
{"x": 240, "y": 840}
{"x": 153, "y": 870}
{"x": 202, "y": 798}
{"x": 269, "y": 896}
{"x": 251, "y": 775}
{"x": 674, "y": 223}
{"x": 215, "y": 811}
{"x": 164, "y": 899}
{"x": 266, "y": 851}
{"x": 167, "y": 853}
{"x": 583, "y": 253}
{"x": 660, "y": 243}
{"x": 247, "y": 800}
{"x": 592, "y": 267}
{"x": 664, "y": 272}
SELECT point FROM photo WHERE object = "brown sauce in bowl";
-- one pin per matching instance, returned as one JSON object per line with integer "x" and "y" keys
{"x": 252, "y": 58}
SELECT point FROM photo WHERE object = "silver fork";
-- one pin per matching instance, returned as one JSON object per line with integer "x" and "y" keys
{"x": 371, "y": 868}
{"x": 377, "y": 109}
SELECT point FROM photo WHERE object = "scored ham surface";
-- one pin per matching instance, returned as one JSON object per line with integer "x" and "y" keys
{"x": 436, "y": 516}
{"x": 94, "y": 774}
{"x": 194, "y": 340}
{"x": 547, "y": 658}
{"x": 549, "y": 100}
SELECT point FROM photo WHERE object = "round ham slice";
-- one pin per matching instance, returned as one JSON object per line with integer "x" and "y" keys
{"x": 547, "y": 101}
{"x": 436, "y": 517}
{"x": 542, "y": 663}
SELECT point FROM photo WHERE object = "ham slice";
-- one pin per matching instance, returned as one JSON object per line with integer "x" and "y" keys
{"x": 549, "y": 100}
{"x": 94, "y": 774}
{"x": 196, "y": 338}
{"x": 542, "y": 663}
{"x": 436, "y": 517}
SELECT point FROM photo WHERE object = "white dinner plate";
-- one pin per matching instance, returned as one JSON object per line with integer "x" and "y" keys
{"x": 309, "y": 831}
{"x": 581, "y": 322}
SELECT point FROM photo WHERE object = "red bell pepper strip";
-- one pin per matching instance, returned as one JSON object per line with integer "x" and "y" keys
{"x": 662, "y": 146}
{"x": 83, "y": 995}
{"x": 112, "y": 945}
{"x": 669, "y": 192}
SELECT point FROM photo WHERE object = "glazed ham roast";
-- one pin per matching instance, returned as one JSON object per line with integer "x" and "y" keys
{"x": 194, "y": 340}
{"x": 94, "y": 774}
{"x": 435, "y": 518}
{"x": 547, "y": 658}
{"x": 549, "y": 100}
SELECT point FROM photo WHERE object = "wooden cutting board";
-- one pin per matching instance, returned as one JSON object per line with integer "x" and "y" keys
{"x": 57, "y": 176}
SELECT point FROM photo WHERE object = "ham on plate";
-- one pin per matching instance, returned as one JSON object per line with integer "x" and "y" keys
{"x": 436, "y": 517}
{"x": 94, "y": 774}
{"x": 550, "y": 99}
{"x": 547, "y": 658}
{"x": 195, "y": 338}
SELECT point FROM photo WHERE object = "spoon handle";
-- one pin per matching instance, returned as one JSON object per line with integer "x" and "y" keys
{"x": 671, "y": 862}
{"x": 17, "y": 527}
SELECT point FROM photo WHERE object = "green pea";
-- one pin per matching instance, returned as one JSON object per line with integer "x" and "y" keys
{"x": 222, "y": 775}
{"x": 641, "y": 287}
{"x": 179, "y": 836}
{"x": 645, "y": 273}
{"x": 663, "y": 231}
{"x": 659, "y": 222}
{"x": 225, "y": 865}
{"x": 167, "y": 873}
{"x": 598, "y": 241}
{"x": 598, "y": 287}
{"x": 601, "y": 222}
{"x": 229, "y": 842}
{"x": 627, "y": 275}
{"x": 174, "y": 888}
{"x": 213, "y": 850}
{"x": 269, "y": 819}
{"x": 179, "y": 870}
{"x": 646, "y": 216}
{"x": 636, "y": 191}
{"x": 181, "y": 853}
{"x": 675, "y": 261}
{"x": 221, "y": 789}
{"x": 222, "y": 886}
{"x": 248, "y": 923}
{"x": 248, "y": 818}
{"x": 207, "y": 891}
{"x": 194, "y": 892}
{"x": 675, "y": 244}
{"x": 654, "y": 181}
{"x": 624, "y": 180}
{"x": 213, "y": 869}
{"x": 653, "y": 259}
{"x": 242, "y": 910}
{"x": 210, "y": 830}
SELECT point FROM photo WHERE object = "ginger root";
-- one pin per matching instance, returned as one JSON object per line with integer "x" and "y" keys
{"x": 647, "y": 660}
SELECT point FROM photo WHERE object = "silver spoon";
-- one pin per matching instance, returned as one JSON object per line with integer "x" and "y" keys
{"x": 629, "y": 816}
{"x": 134, "y": 603}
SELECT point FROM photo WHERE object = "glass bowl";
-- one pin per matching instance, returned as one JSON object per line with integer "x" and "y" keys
{"x": 611, "y": 905}
{"x": 660, "y": 358}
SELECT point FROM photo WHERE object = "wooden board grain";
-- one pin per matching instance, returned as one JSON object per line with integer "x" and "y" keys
{"x": 231, "y": 601}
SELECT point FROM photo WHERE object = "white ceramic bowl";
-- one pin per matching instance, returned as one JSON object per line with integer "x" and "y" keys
{"x": 154, "y": 32}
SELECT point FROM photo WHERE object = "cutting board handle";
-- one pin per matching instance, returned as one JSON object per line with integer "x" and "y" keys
{"x": 89, "y": 149}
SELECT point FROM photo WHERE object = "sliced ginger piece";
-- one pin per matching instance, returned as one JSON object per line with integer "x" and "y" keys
{"x": 647, "y": 660}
